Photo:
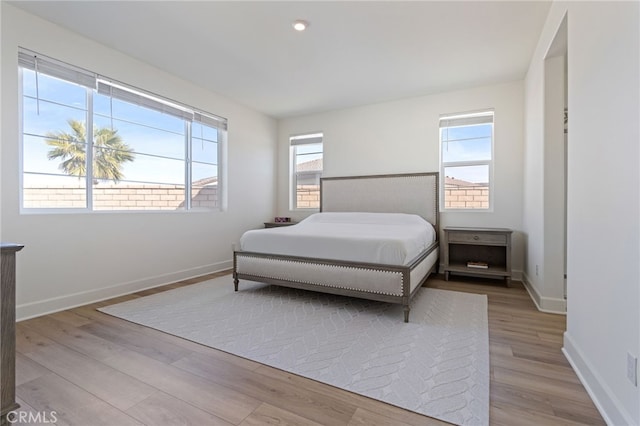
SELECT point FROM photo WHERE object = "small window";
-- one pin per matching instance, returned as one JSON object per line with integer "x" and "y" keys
{"x": 306, "y": 170}
{"x": 466, "y": 147}
{"x": 89, "y": 143}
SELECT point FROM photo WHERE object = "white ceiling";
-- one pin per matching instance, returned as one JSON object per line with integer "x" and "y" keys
{"x": 353, "y": 53}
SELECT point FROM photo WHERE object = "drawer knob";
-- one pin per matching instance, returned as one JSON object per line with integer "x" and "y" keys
{"x": 475, "y": 237}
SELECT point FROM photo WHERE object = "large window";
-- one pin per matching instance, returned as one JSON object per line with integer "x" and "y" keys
{"x": 95, "y": 144}
{"x": 306, "y": 170}
{"x": 466, "y": 146}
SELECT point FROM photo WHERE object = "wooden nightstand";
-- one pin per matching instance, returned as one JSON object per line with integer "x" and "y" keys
{"x": 490, "y": 247}
{"x": 278, "y": 224}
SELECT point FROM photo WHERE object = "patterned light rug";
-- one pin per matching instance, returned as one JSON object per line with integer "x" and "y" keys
{"x": 436, "y": 365}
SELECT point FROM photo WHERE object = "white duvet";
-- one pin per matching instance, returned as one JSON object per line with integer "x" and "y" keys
{"x": 386, "y": 238}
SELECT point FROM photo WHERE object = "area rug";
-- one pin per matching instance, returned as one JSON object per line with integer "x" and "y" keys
{"x": 436, "y": 365}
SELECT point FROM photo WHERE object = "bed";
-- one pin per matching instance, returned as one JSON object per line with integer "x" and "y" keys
{"x": 356, "y": 213}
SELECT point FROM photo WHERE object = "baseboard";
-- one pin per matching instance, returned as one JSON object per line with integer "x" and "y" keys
{"x": 61, "y": 303}
{"x": 516, "y": 275}
{"x": 549, "y": 305}
{"x": 607, "y": 404}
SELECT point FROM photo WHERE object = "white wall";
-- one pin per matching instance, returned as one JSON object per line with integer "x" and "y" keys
{"x": 603, "y": 300}
{"x": 72, "y": 259}
{"x": 402, "y": 137}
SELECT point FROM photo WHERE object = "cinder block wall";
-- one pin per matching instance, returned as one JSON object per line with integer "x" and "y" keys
{"x": 118, "y": 197}
{"x": 466, "y": 197}
{"x": 308, "y": 196}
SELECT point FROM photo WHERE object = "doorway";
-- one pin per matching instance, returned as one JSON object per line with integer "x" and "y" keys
{"x": 556, "y": 152}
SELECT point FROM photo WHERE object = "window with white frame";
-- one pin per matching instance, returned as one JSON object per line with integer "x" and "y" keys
{"x": 306, "y": 170}
{"x": 466, "y": 160}
{"x": 91, "y": 143}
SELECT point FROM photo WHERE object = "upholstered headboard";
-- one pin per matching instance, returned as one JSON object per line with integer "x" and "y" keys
{"x": 415, "y": 193}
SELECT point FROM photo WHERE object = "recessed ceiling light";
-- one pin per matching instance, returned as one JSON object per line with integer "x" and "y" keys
{"x": 300, "y": 25}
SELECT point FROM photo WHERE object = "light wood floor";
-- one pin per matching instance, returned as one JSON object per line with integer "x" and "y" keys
{"x": 94, "y": 369}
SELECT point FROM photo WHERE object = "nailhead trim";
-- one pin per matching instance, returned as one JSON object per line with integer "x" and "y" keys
{"x": 278, "y": 261}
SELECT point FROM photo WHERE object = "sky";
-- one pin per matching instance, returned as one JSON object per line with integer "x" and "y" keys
{"x": 158, "y": 139}
{"x": 467, "y": 143}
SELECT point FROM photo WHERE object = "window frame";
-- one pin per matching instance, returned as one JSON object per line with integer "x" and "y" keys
{"x": 295, "y": 141}
{"x": 30, "y": 60}
{"x": 486, "y": 162}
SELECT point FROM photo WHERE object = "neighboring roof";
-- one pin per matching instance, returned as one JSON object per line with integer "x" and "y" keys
{"x": 205, "y": 181}
{"x": 449, "y": 181}
{"x": 310, "y": 166}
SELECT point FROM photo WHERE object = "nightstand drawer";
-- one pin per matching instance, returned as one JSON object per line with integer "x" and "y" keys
{"x": 481, "y": 237}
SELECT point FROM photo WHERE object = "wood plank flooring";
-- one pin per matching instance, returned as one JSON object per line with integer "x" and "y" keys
{"x": 94, "y": 369}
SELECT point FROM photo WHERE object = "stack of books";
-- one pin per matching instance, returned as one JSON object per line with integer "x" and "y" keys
{"x": 478, "y": 265}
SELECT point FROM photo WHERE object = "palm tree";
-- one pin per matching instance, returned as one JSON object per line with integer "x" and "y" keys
{"x": 109, "y": 152}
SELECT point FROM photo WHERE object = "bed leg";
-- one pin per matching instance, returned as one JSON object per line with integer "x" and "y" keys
{"x": 406, "y": 313}
{"x": 236, "y": 281}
